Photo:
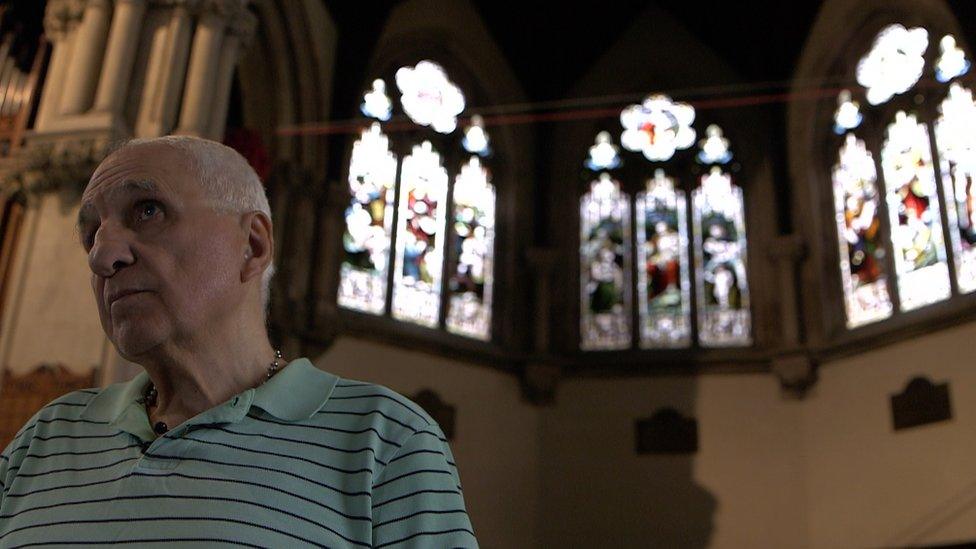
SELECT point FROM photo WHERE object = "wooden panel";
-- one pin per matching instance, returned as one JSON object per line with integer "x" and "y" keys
{"x": 22, "y": 396}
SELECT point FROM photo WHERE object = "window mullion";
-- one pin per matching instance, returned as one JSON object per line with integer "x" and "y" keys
{"x": 947, "y": 238}
{"x": 892, "y": 279}
{"x": 397, "y": 145}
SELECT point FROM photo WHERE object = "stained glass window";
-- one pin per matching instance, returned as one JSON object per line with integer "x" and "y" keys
{"x": 952, "y": 60}
{"x": 474, "y": 234}
{"x": 420, "y": 237}
{"x": 894, "y": 64}
{"x": 863, "y": 265}
{"x": 605, "y": 266}
{"x": 668, "y": 273}
{"x": 662, "y": 265}
{"x": 913, "y": 207}
{"x": 369, "y": 223}
{"x": 957, "y": 158}
{"x": 720, "y": 253}
{"x": 429, "y": 97}
{"x": 657, "y": 127}
{"x": 409, "y": 247}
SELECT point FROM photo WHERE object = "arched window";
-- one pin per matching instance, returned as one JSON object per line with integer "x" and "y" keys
{"x": 686, "y": 262}
{"x": 419, "y": 230}
{"x": 902, "y": 182}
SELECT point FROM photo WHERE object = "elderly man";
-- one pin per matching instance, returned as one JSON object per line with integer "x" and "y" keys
{"x": 220, "y": 441}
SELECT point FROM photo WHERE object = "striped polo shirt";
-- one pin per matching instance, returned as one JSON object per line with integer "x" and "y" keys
{"x": 306, "y": 459}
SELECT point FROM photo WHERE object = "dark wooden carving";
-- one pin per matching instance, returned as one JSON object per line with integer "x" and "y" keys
{"x": 22, "y": 396}
{"x": 442, "y": 412}
{"x": 921, "y": 403}
{"x": 667, "y": 432}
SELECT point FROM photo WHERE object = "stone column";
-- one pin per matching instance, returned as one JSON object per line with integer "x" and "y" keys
{"x": 240, "y": 30}
{"x": 60, "y": 19}
{"x": 123, "y": 42}
{"x": 86, "y": 61}
{"x": 168, "y": 63}
{"x": 198, "y": 93}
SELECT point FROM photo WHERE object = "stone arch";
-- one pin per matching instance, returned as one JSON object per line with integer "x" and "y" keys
{"x": 842, "y": 32}
{"x": 453, "y": 34}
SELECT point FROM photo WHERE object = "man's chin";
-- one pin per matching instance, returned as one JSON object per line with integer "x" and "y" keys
{"x": 133, "y": 343}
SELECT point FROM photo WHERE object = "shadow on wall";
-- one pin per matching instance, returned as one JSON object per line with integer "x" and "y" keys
{"x": 598, "y": 491}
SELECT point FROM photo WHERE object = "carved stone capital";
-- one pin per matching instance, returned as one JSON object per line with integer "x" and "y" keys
{"x": 61, "y": 16}
{"x": 797, "y": 374}
{"x": 60, "y": 166}
{"x": 242, "y": 24}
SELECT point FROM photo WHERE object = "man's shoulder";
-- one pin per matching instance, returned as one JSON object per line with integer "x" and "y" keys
{"x": 351, "y": 396}
{"x": 61, "y": 413}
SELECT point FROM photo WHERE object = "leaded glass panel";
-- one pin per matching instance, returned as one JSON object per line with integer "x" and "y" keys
{"x": 720, "y": 253}
{"x": 605, "y": 266}
{"x": 469, "y": 310}
{"x": 369, "y": 223}
{"x": 662, "y": 265}
{"x": 957, "y": 158}
{"x": 913, "y": 207}
{"x": 419, "y": 241}
{"x": 863, "y": 266}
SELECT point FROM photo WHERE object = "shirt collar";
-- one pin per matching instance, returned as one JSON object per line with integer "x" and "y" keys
{"x": 293, "y": 394}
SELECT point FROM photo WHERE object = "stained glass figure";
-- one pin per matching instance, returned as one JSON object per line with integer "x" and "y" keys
{"x": 603, "y": 154}
{"x": 428, "y": 97}
{"x": 894, "y": 64}
{"x": 848, "y": 115}
{"x": 715, "y": 147}
{"x": 952, "y": 61}
{"x": 957, "y": 158}
{"x": 469, "y": 309}
{"x": 657, "y": 127}
{"x": 369, "y": 223}
{"x": 475, "y": 138}
{"x": 605, "y": 266}
{"x": 376, "y": 104}
{"x": 857, "y": 205}
{"x": 419, "y": 240}
{"x": 720, "y": 253}
{"x": 662, "y": 265}
{"x": 913, "y": 207}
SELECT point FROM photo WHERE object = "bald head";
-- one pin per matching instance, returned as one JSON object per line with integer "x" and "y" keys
{"x": 223, "y": 174}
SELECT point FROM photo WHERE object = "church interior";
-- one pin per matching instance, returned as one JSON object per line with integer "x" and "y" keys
{"x": 667, "y": 274}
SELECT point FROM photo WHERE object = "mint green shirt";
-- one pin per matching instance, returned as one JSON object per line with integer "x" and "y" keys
{"x": 307, "y": 459}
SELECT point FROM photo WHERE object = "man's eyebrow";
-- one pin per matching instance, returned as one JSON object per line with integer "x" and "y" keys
{"x": 86, "y": 215}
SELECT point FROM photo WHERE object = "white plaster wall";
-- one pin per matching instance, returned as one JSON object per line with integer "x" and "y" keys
{"x": 497, "y": 434}
{"x": 742, "y": 489}
{"x": 50, "y": 315}
{"x": 872, "y": 487}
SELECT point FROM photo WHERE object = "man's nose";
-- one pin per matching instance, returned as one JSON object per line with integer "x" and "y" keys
{"x": 110, "y": 251}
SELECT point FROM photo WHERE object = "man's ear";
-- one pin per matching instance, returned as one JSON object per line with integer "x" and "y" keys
{"x": 259, "y": 252}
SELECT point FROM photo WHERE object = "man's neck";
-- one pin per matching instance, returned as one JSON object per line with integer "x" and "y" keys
{"x": 191, "y": 381}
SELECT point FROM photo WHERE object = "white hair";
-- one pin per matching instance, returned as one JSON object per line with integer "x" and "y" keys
{"x": 226, "y": 176}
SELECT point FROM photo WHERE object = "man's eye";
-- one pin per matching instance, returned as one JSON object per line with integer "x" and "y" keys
{"x": 148, "y": 209}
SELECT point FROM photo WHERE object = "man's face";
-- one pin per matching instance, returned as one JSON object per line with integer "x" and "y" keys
{"x": 166, "y": 268}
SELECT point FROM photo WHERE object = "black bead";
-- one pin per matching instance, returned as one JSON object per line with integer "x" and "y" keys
{"x": 160, "y": 428}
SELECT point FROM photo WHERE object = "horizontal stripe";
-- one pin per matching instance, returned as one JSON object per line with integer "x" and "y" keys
{"x": 410, "y": 474}
{"x": 261, "y": 468}
{"x": 141, "y": 540}
{"x": 410, "y": 495}
{"x": 334, "y": 429}
{"x": 438, "y": 452}
{"x": 206, "y": 519}
{"x": 418, "y": 534}
{"x": 371, "y": 412}
{"x": 418, "y": 513}
{"x": 76, "y": 469}
{"x": 181, "y": 497}
{"x": 374, "y": 395}
{"x": 276, "y": 454}
{"x": 267, "y": 486}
